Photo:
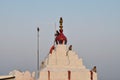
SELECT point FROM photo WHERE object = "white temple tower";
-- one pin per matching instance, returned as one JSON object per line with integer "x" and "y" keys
{"x": 63, "y": 63}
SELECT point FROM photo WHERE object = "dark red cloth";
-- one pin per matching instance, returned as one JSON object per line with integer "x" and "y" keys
{"x": 91, "y": 73}
{"x": 51, "y": 49}
{"x": 61, "y": 37}
{"x": 48, "y": 75}
{"x": 69, "y": 75}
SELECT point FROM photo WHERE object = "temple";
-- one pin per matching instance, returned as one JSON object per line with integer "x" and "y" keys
{"x": 63, "y": 63}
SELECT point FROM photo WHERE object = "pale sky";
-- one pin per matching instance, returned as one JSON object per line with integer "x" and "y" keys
{"x": 91, "y": 26}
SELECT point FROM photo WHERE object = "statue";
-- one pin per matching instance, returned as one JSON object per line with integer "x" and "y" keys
{"x": 94, "y": 69}
{"x": 70, "y": 47}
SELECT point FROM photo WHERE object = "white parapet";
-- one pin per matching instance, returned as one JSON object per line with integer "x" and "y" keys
{"x": 23, "y": 75}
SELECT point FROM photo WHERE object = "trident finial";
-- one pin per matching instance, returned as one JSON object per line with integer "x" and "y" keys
{"x": 61, "y": 21}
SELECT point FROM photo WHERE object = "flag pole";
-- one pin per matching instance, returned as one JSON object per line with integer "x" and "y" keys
{"x": 54, "y": 33}
{"x": 37, "y": 53}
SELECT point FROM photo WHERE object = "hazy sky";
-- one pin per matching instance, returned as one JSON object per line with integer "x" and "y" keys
{"x": 91, "y": 26}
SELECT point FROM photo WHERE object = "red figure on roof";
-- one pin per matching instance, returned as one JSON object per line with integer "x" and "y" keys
{"x": 60, "y": 37}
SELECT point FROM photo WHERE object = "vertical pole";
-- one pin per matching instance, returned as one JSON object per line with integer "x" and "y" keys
{"x": 55, "y": 42}
{"x": 37, "y": 52}
{"x": 54, "y": 34}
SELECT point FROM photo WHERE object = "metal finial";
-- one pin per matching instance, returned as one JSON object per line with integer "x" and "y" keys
{"x": 61, "y": 21}
{"x": 38, "y": 29}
